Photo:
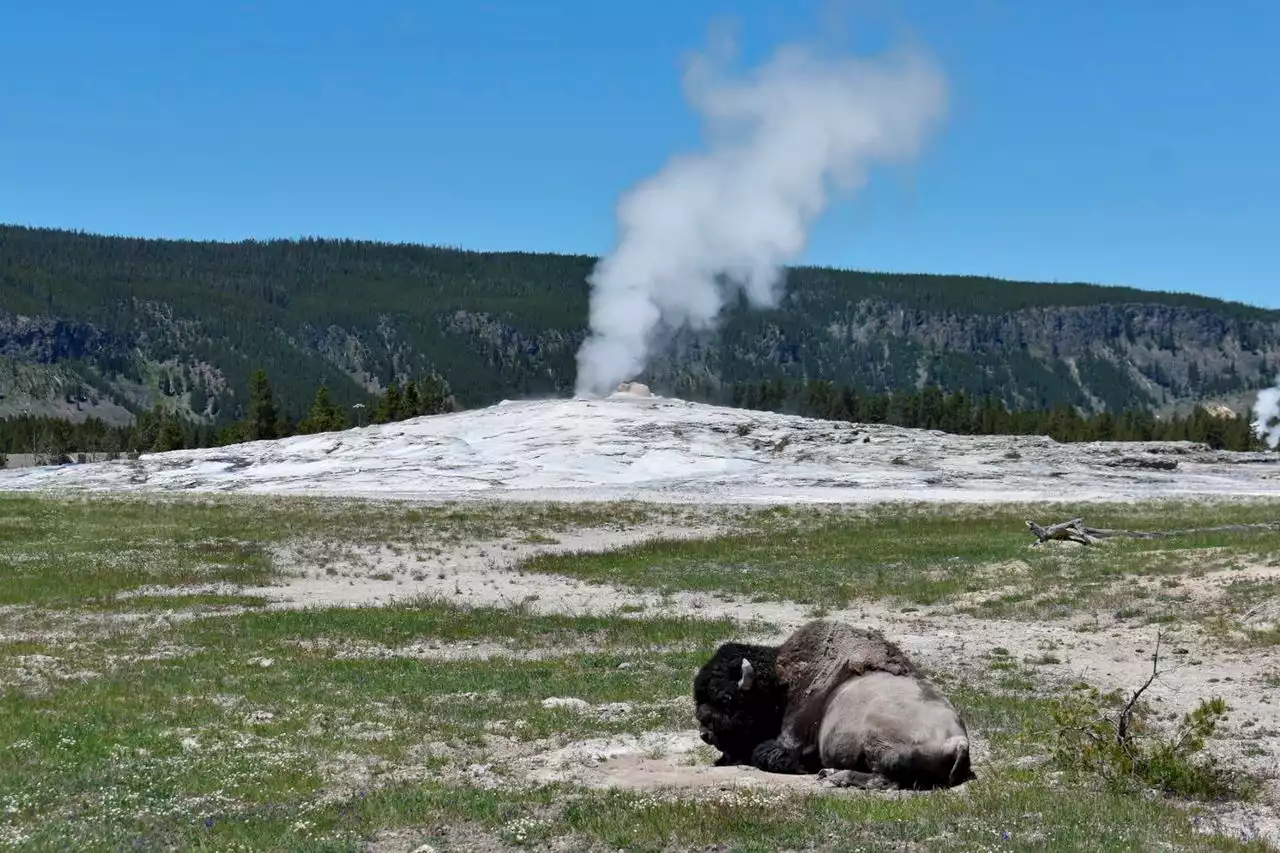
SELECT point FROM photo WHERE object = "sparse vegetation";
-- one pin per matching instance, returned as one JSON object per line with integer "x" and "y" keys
{"x": 933, "y": 557}
{"x": 65, "y": 552}
{"x": 137, "y": 710}
{"x": 1102, "y": 735}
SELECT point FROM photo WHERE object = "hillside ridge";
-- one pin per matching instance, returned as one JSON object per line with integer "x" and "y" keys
{"x": 109, "y": 326}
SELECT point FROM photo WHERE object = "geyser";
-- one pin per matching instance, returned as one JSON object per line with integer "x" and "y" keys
{"x": 781, "y": 141}
{"x": 1267, "y": 412}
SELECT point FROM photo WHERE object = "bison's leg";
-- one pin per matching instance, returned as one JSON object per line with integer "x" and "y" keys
{"x": 784, "y": 755}
{"x": 937, "y": 765}
{"x": 855, "y": 779}
{"x": 774, "y": 757}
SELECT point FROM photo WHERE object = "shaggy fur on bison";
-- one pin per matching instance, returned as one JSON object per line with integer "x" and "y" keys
{"x": 835, "y": 700}
{"x": 739, "y": 700}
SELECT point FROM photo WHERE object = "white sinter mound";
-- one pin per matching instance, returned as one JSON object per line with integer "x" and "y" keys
{"x": 632, "y": 445}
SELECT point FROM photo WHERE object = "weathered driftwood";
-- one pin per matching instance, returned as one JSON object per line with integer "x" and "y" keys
{"x": 1076, "y": 531}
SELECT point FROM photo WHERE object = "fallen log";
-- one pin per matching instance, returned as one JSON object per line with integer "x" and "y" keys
{"x": 1076, "y": 531}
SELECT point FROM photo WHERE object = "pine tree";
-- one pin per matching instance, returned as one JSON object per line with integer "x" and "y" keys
{"x": 1102, "y": 427}
{"x": 262, "y": 418}
{"x": 233, "y": 434}
{"x": 410, "y": 405}
{"x": 324, "y": 416}
{"x": 434, "y": 397}
{"x": 929, "y": 407}
{"x": 146, "y": 431}
{"x": 171, "y": 435}
{"x": 388, "y": 408}
{"x": 198, "y": 399}
{"x": 851, "y": 403}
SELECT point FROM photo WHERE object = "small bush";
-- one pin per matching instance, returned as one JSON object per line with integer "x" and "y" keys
{"x": 1097, "y": 736}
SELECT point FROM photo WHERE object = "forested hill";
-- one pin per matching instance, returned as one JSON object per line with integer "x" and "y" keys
{"x": 110, "y": 326}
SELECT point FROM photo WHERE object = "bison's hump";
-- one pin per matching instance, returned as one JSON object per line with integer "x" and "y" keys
{"x": 823, "y": 654}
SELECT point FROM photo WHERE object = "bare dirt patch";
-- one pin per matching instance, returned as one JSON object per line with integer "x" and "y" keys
{"x": 1105, "y": 652}
{"x": 1109, "y": 653}
{"x": 475, "y": 574}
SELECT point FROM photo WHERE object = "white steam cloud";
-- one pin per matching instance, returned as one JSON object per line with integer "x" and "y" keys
{"x": 781, "y": 141}
{"x": 1267, "y": 411}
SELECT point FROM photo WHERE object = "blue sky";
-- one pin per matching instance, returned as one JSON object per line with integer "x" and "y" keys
{"x": 1119, "y": 142}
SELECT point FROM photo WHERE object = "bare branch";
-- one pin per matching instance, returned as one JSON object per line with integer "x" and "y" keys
{"x": 1122, "y": 729}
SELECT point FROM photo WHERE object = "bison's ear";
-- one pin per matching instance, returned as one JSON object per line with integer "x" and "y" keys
{"x": 748, "y": 675}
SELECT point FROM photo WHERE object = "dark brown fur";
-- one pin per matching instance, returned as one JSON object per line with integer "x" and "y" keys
{"x": 810, "y": 668}
{"x": 732, "y": 720}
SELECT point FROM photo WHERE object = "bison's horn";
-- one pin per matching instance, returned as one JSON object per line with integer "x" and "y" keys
{"x": 748, "y": 675}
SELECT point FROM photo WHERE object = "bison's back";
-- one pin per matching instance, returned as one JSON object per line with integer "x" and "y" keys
{"x": 897, "y": 726}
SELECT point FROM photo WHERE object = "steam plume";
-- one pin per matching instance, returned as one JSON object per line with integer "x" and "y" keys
{"x": 1267, "y": 410}
{"x": 781, "y": 141}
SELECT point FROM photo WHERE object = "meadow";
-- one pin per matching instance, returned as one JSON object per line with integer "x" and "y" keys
{"x": 168, "y": 681}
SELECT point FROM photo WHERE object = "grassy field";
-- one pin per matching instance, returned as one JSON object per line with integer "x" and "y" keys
{"x": 209, "y": 721}
{"x": 924, "y": 557}
{"x": 61, "y": 553}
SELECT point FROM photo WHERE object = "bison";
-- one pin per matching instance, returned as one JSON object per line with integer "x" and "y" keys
{"x": 835, "y": 700}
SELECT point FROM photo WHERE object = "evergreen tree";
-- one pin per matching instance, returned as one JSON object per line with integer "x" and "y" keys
{"x": 388, "y": 408}
{"x": 146, "y": 432}
{"x": 434, "y": 396}
{"x": 930, "y": 407}
{"x": 198, "y": 399}
{"x": 263, "y": 418}
{"x": 850, "y": 403}
{"x": 235, "y": 433}
{"x": 1102, "y": 427}
{"x": 410, "y": 406}
{"x": 170, "y": 436}
{"x": 324, "y": 416}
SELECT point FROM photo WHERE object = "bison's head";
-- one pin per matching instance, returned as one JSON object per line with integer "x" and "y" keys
{"x": 738, "y": 700}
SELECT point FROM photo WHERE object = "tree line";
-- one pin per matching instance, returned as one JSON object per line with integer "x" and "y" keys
{"x": 963, "y": 414}
{"x": 56, "y": 441}
{"x": 123, "y": 312}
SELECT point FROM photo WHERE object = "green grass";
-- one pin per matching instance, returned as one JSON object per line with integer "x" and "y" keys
{"x": 231, "y": 730}
{"x": 928, "y": 556}
{"x": 429, "y": 618}
{"x": 214, "y": 748}
{"x": 1034, "y": 815}
{"x": 80, "y": 552}
{"x": 261, "y": 711}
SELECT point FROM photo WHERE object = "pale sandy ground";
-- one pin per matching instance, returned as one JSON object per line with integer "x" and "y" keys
{"x": 1108, "y": 655}
{"x": 670, "y": 451}
{"x": 666, "y": 450}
